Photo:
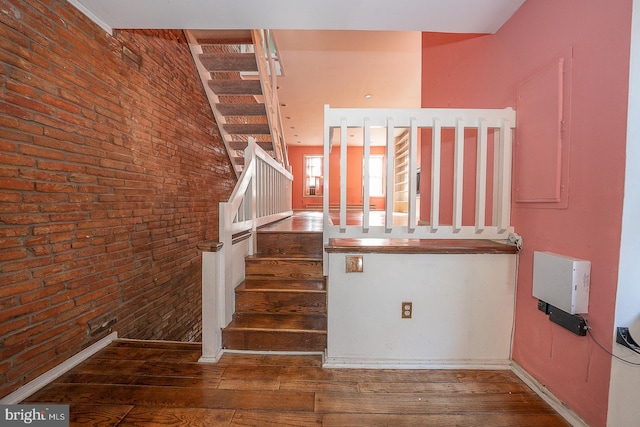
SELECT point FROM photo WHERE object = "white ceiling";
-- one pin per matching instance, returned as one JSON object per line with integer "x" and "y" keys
{"x": 455, "y": 16}
{"x": 333, "y": 51}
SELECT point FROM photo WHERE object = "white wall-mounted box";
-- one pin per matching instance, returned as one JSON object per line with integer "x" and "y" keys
{"x": 562, "y": 281}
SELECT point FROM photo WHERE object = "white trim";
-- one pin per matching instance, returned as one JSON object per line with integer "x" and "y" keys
{"x": 358, "y": 363}
{"x": 89, "y": 14}
{"x": 31, "y": 387}
{"x": 211, "y": 359}
{"x": 570, "y": 416}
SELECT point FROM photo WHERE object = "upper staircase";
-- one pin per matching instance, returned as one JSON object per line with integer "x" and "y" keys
{"x": 235, "y": 67}
{"x": 281, "y": 304}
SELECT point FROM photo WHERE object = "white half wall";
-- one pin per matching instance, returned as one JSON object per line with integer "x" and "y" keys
{"x": 463, "y": 308}
{"x": 624, "y": 393}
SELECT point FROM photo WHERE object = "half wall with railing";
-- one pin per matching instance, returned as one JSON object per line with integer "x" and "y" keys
{"x": 465, "y": 168}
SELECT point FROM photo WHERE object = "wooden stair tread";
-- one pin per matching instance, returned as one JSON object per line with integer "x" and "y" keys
{"x": 314, "y": 286}
{"x": 239, "y": 109}
{"x": 247, "y": 128}
{"x": 284, "y": 257}
{"x": 229, "y": 61}
{"x": 309, "y": 323}
{"x": 236, "y": 87}
{"x": 241, "y": 145}
{"x": 214, "y": 37}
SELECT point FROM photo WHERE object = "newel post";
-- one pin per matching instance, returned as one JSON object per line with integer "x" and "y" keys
{"x": 212, "y": 281}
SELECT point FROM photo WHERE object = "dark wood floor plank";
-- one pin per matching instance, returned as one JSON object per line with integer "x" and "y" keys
{"x": 178, "y": 397}
{"x": 152, "y": 416}
{"x": 452, "y": 388}
{"x": 171, "y": 369}
{"x": 369, "y": 375}
{"x": 249, "y": 384}
{"x": 91, "y": 378}
{"x": 252, "y": 372}
{"x": 167, "y": 345}
{"x": 194, "y": 382}
{"x": 425, "y": 403}
{"x": 149, "y": 353}
{"x": 276, "y": 419}
{"x": 97, "y": 415}
{"x": 443, "y": 420}
{"x": 109, "y": 367}
{"x": 327, "y": 386}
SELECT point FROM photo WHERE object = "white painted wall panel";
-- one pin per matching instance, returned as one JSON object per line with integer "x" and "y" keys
{"x": 462, "y": 310}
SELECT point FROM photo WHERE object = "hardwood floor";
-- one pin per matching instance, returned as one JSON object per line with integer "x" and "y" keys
{"x": 142, "y": 383}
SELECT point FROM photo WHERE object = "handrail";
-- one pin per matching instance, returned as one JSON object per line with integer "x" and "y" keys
{"x": 262, "y": 195}
{"x": 494, "y": 132}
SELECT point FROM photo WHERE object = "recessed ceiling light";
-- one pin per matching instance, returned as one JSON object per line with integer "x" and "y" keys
{"x": 368, "y": 96}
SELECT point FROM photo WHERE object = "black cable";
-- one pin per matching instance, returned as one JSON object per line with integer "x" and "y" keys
{"x": 607, "y": 351}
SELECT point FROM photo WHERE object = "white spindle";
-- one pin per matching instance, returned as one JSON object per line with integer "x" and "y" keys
{"x": 326, "y": 221}
{"x": 504, "y": 190}
{"x": 436, "y": 141}
{"x": 413, "y": 155}
{"x": 388, "y": 205}
{"x": 481, "y": 176}
{"x": 343, "y": 174}
{"x": 366, "y": 174}
{"x": 458, "y": 175}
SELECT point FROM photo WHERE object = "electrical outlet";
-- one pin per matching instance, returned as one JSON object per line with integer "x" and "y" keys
{"x": 407, "y": 310}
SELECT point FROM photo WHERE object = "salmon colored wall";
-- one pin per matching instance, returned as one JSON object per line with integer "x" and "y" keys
{"x": 483, "y": 72}
{"x": 354, "y": 176}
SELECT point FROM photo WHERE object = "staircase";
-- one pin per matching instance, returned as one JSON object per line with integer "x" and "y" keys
{"x": 235, "y": 72}
{"x": 281, "y": 305}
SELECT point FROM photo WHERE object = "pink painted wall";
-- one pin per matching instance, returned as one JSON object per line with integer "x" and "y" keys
{"x": 354, "y": 176}
{"x": 483, "y": 72}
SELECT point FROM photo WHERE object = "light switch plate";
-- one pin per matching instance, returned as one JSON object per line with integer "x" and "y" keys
{"x": 354, "y": 263}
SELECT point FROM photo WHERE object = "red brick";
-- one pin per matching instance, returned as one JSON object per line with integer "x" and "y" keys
{"x": 13, "y": 254}
{"x": 22, "y": 310}
{"x": 16, "y": 184}
{"x": 23, "y": 334}
{"x": 106, "y": 164}
{"x": 53, "y": 228}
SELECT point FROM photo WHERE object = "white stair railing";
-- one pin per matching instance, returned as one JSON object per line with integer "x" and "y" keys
{"x": 261, "y": 196}
{"x": 267, "y": 68}
{"x": 490, "y": 131}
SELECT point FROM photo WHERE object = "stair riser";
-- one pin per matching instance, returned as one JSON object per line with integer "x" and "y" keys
{"x": 281, "y": 302}
{"x": 290, "y": 243}
{"x": 273, "y": 341}
{"x": 289, "y": 269}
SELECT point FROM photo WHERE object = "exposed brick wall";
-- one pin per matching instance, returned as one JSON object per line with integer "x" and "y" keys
{"x": 111, "y": 170}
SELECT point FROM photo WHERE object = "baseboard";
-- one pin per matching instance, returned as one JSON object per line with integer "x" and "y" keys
{"x": 546, "y": 395}
{"x": 31, "y": 387}
{"x": 356, "y": 363}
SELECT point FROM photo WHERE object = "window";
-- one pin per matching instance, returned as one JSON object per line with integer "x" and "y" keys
{"x": 376, "y": 176}
{"x": 313, "y": 181}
